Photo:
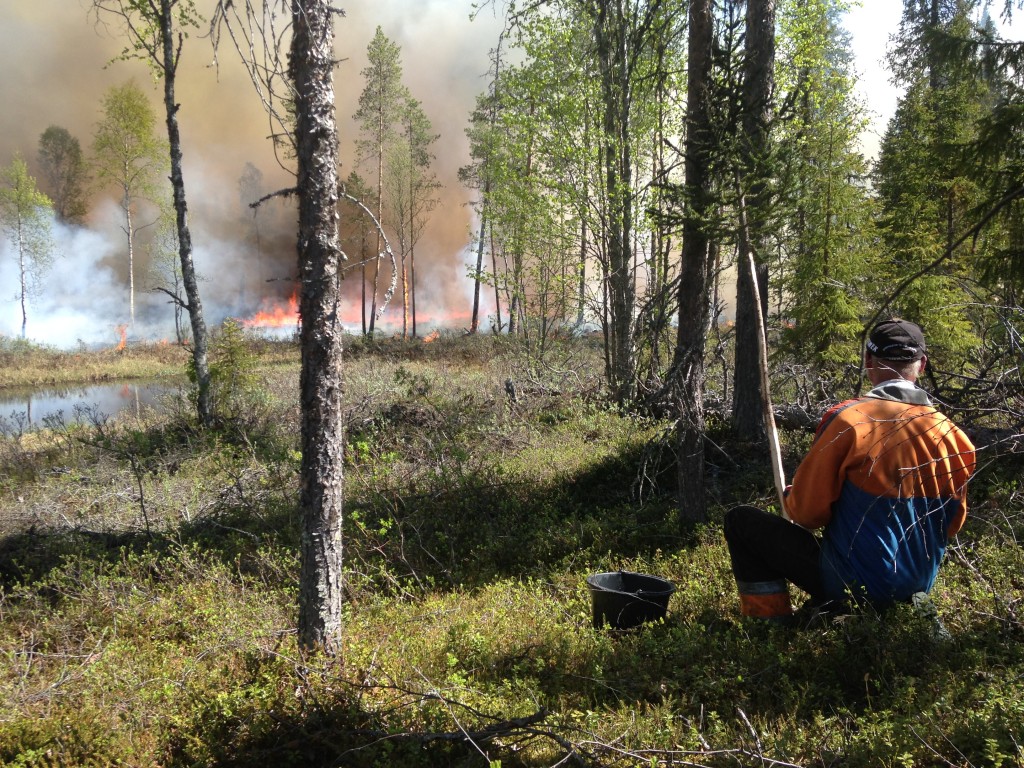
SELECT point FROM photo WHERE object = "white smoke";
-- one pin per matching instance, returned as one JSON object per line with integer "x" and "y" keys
{"x": 77, "y": 299}
{"x": 85, "y": 294}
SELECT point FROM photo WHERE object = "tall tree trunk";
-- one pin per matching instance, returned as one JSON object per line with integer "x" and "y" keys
{"x": 127, "y": 205}
{"x": 497, "y": 290}
{"x": 188, "y": 273}
{"x": 412, "y": 286}
{"x": 405, "y": 296}
{"x": 581, "y": 289}
{"x": 23, "y": 277}
{"x": 695, "y": 283}
{"x": 380, "y": 221}
{"x": 758, "y": 81}
{"x": 316, "y": 146}
{"x": 582, "y": 286}
{"x": 609, "y": 36}
{"x": 474, "y": 323}
{"x": 407, "y": 268}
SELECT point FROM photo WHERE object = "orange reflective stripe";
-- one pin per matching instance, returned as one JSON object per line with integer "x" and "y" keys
{"x": 766, "y": 606}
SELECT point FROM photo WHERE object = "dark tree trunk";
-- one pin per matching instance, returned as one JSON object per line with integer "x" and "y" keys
{"x": 320, "y": 597}
{"x": 497, "y": 288}
{"x": 616, "y": 157}
{"x": 204, "y": 407}
{"x": 474, "y": 323}
{"x": 758, "y": 81}
{"x": 696, "y": 278}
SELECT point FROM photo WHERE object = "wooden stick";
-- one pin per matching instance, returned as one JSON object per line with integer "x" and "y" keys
{"x": 774, "y": 448}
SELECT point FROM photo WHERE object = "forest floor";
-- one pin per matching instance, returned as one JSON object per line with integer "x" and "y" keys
{"x": 148, "y": 586}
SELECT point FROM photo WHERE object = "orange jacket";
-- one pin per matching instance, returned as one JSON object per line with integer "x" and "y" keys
{"x": 887, "y": 479}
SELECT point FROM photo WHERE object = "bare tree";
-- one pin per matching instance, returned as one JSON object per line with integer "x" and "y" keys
{"x": 310, "y": 84}
{"x": 155, "y": 32}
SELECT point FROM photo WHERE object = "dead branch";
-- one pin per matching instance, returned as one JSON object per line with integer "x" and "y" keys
{"x": 175, "y": 298}
{"x": 288, "y": 192}
{"x": 392, "y": 286}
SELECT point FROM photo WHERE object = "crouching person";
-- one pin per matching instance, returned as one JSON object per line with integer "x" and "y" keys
{"x": 885, "y": 480}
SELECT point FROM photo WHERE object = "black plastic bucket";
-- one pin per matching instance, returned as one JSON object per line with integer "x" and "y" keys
{"x": 625, "y": 600}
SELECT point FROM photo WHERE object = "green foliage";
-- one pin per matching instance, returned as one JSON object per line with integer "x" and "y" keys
{"x": 25, "y": 219}
{"x": 63, "y": 166}
{"x": 930, "y": 189}
{"x": 235, "y": 389}
{"x": 128, "y": 154}
{"x": 145, "y": 25}
{"x": 829, "y": 252}
{"x": 471, "y": 524}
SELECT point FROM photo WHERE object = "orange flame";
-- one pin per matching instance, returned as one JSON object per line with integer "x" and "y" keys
{"x": 434, "y": 335}
{"x": 123, "y": 330}
{"x": 276, "y": 316}
{"x": 274, "y": 313}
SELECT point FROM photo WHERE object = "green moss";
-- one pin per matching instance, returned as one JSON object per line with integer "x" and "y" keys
{"x": 471, "y": 523}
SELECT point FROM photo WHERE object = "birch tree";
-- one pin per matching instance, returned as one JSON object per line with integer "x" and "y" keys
{"x": 411, "y": 195}
{"x": 597, "y": 67}
{"x": 25, "y": 216}
{"x": 483, "y": 141}
{"x": 129, "y": 157}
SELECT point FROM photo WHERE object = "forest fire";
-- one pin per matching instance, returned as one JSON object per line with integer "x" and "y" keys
{"x": 276, "y": 316}
{"x": 285, "y": 314}
{"x": 123, "y": 330}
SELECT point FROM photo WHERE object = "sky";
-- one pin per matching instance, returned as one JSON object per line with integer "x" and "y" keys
{"x": 57, "y": 65}
{"x": 870, "y": 24}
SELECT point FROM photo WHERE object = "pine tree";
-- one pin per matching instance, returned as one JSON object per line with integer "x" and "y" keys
{"x": 379, "y": 117}
{"x": 928, "y": 191}
{"x": 826, "y": 199}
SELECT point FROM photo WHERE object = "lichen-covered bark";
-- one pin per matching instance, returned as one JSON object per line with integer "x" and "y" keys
{"x": 320, "y": 599}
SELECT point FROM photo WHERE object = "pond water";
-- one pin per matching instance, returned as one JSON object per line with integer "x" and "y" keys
{"x": 24, "y": 410}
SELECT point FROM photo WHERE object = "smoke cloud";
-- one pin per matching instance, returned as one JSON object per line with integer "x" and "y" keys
{"x": 58, "y": 63}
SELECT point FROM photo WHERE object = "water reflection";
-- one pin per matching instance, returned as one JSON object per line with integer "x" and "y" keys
{"x": 22, "y": 410}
